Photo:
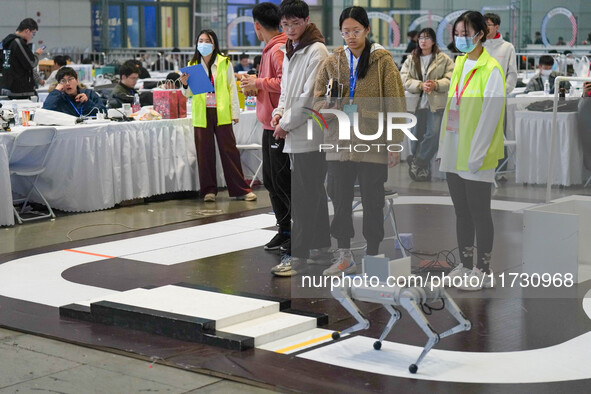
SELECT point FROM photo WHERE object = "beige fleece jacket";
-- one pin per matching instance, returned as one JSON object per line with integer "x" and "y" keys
{"x": 440, "y": 70}
{"x": 381, "y": 90}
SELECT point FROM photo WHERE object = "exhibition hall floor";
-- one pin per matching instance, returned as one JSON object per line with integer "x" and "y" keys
{"x": 521, "y": 340}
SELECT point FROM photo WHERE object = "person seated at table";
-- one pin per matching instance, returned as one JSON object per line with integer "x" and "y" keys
{"x": 172, "y": 81}
{"x": 71, "y": 99}
{"x": 141, "y": 70}
{"x": 243, "y": 65}
{"x": 59, "y": 61}
{"x": 124, "y": 92}
{"x": 536, "y": 84}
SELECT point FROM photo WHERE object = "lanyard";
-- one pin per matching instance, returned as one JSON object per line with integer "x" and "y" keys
{"x": 464, "y": 89}
{"x": 352, "y": 78}
{"x": 78, "y": 111}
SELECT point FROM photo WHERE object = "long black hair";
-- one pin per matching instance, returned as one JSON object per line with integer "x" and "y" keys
{"x": 359, "y": 14}
{"x": 216, "y": 50}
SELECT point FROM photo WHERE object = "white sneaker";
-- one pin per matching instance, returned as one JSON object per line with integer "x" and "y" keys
{"x": 209, "y": 197}
{"x": 343, "y": 263}
{"x": 459, "y": 270}
{"x": 289, "y": 266}
{"x": 477, "y": 280}
{"x": 250, "y": 196}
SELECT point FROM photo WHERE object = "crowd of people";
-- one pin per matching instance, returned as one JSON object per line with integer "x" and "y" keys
{"x": 459, "y": 106}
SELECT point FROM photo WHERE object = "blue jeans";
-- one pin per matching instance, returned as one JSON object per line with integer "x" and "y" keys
{"x": 427, "y": 133}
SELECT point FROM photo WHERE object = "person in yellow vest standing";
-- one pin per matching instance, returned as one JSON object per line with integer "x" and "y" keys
{"x": 213, "y": 115}
{"x": 470, "y": 145}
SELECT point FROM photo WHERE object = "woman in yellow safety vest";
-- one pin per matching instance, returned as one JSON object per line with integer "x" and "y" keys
{"x": 213, "y": 114}
{"x": 470, "y": 145}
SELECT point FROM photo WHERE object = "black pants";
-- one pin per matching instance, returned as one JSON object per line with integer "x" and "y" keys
{"x": 471, "y": 201}
{"x": 342, "y": 176}
{"x": 309, "y": 205}
{"x": 277, "y": 179}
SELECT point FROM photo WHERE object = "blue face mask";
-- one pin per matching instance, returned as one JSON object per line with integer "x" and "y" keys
{"x": 464, "y": 44}
{"x": 205, "y": 48}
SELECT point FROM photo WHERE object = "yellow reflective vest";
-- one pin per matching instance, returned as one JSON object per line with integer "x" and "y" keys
{"x": 222, "y": 96}
{"x": 471, "y": 108}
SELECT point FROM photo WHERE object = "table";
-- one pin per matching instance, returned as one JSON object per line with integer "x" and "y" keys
{"x": 94, "y": 167}
{"x": 533, "y": 131}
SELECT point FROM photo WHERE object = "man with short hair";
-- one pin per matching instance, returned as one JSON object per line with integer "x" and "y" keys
{"x": 71, "y": 99}
{"x": 19, "y": 61}
{"x": 536, "y": 84}
{"x": 305, "y": 52}
{"x": 59, "y": 61}
{"x": 142, "y": 72}
{"x": 501, "y": 50}
{"x": 124, "y": 92}
{"x": 244, "y": 64}
{"x": 267, "y": 88}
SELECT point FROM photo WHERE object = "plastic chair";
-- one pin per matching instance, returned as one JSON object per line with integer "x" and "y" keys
{"x": 255, "y": 148}
{"x": 23, "y": 164}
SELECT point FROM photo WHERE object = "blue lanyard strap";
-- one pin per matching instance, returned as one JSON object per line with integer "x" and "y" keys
{"x": 352, "y": 78}
{"x": 78, "y": 111}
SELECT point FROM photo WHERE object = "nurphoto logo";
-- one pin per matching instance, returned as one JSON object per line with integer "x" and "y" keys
{"x": 344, "y": 121}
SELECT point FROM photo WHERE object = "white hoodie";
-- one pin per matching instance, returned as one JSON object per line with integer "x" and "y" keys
{"x": 504, "y": 53}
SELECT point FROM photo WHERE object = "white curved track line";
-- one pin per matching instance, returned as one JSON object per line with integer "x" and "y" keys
{"x": 570, "y": 360}
{"x": 39, "y": 279}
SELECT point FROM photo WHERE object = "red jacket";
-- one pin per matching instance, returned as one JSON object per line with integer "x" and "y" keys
{"x": 268, "y": 82}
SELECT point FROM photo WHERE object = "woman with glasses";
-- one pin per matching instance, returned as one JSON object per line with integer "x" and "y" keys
{"x": 471, "y": 144}
{"x": 426, "y": 73}
{"x": 213, "y": 116}
{"x": 371, "y": 85}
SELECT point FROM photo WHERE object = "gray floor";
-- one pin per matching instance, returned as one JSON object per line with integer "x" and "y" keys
{"x": 34, "y": 364}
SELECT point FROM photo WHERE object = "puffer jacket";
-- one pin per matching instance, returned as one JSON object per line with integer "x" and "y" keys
{"x": 381, "y": 90}
{"x": 440, "y": 70}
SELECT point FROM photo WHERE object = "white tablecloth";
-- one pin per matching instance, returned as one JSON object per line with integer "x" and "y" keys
{"x": 94, "y": 167}
{"x": 6, "y": 215}
{"x": 533, "y": 131}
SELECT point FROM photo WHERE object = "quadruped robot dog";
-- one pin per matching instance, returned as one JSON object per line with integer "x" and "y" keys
{"x": 413, "y": 299}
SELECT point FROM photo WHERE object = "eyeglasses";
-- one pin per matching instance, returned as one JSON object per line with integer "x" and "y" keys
{"x": 353, "y": 34}
{"x": 67, "y": 80}
{"x": 425, "y": 38}
{"x": 289, "y": 26}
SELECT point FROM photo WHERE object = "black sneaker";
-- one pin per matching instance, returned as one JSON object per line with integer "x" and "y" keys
{"x": 278, "y": 240}
{"x": 413, "y": 170}
{"x": 285, "y": 247}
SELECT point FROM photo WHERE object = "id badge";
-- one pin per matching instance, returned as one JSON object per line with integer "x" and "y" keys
{"x": 210, "y": 100}
{"x": 350, "y": 110}
{"x": 453, "y": 119}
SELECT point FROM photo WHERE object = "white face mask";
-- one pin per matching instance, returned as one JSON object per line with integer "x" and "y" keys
{"x": 545, "y": 73}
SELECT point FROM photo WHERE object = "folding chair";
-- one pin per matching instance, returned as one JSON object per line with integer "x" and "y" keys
{"x": 27, "y": 160}
{"x": 511, "y": 151}
{"x": 255, "y": 148}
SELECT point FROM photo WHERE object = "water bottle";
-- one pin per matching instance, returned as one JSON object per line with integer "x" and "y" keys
{"x": 136, "y": 103}
{"x": 547, "y": 87}
{"x": 17, "y": 118}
